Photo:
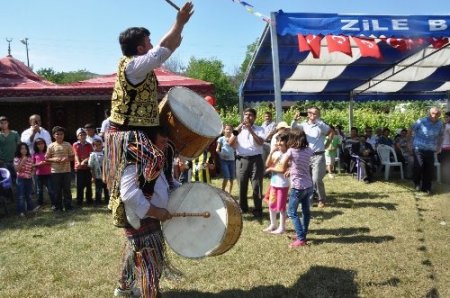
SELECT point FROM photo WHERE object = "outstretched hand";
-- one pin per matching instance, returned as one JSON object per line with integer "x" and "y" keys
{"x": 185, "y": 13}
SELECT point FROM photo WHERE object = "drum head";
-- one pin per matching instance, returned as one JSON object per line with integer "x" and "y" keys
{"x": 194, "y": 112}
{"x": 195, "y": 237}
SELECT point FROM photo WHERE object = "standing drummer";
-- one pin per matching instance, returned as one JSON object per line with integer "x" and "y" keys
{"x": 134, "y": 157}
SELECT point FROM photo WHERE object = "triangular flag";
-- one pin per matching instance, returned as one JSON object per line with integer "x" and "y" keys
{"x": 398, "y": 43}
{"x": 438, "y": 43}
{"x": 309, "y": 43}
{"x": 339, "y": 43}
{"x": 368, "y": 47}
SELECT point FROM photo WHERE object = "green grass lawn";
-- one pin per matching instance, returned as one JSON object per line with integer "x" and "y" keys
{"x": 376, "y": 240}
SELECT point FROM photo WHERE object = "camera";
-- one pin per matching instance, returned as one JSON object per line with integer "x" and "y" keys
{"x": 303, "y": 114}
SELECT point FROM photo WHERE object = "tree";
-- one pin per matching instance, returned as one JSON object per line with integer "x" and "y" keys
{"x": 64, "y": 77}
{"x": 211, "y": 70}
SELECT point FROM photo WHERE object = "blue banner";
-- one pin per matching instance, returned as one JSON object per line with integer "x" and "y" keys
{"x": 355, "y": 25}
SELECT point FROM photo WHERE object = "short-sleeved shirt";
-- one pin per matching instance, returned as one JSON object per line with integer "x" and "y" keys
{"x": 246, "y": 144}
{"x": 8, "y": 145}
{"x": 43, "y": 169}
{"x": 427, "y": 134}
{"x": 299, "y": 170}
{"x": 315, "y": 134}
{"x": 227, "y": 152}
{"x": 268, "y": 128}
{"x": 82, "y": 151}
{"x": 59, "y": 150}
{"x": 331, "y": 151}
{"x": 278, "y": 179}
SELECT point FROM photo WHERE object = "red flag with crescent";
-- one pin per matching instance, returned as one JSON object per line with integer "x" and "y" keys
{"x": 309, "y": 43}
{"x": 339, "y": 43}
{"x": 438, "y": 43}
{"x": 368, "y": 47}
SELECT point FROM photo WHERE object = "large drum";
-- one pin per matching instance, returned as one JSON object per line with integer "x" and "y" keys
{"x": 195, "y": 236}
{"x": 193, "y": 123}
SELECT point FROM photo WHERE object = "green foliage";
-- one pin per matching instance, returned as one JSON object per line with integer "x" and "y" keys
{"x": 64, "y": 77}
{"x": 374, "y": 114}
{"x": 211, "y": 70}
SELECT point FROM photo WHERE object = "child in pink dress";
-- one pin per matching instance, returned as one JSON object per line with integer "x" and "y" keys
{"x": 279, "y": 185}
{"x": 43, "y": 171}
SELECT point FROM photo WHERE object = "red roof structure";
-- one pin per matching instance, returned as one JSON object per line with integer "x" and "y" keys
{"x": 19, "y": 84}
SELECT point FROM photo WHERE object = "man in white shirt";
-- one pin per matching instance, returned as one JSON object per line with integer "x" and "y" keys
{"x": 248, "y": 140}
{"x": 269, "y": 130}
{"x": 34, "y": 132}
{"x": 316, "y": 130}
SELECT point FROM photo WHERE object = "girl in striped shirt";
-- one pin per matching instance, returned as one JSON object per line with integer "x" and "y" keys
{"x": 23, "y": 164}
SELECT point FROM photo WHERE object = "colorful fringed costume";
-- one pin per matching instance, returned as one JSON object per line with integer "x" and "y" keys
{"x": 143, "y": 256}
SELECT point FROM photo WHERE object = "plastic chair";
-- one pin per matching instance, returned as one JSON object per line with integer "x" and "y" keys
{"x": 385, "y": 152}
{"x": 437, "y": 164}
{"x": 5, "y": 183}
{"x": 360, "y": 173}
{"x": 337, "y": 161}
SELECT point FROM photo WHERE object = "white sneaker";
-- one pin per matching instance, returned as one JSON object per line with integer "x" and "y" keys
{"x": 133, "y": 292}
{"x": 36, "y": 209}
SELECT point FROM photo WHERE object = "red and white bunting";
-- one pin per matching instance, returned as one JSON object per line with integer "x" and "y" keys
{"x": 339, "y": 43}
{"x": 309, "y": 43}
{"x": 368, "y": 47}
{"x": 438, "y": 43}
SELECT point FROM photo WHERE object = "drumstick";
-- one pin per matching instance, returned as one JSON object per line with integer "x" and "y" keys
{"x": 186, "y": 214}
{"x": 173, "y": 5}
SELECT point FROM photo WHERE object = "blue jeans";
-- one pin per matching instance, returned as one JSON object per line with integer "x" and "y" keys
{"x": 228, "y": 168}
{"x": 24, "y": 188}
{"x": 296, "y": 197}
{"x": 45, "y": 180}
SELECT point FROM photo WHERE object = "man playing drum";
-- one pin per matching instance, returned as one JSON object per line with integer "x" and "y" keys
{"x": 134, "y": 158}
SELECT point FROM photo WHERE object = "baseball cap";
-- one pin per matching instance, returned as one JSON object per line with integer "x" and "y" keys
{"x": 80, "y": 130}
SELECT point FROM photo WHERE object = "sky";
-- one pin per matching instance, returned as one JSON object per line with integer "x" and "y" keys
{"x": 73, "y": 35}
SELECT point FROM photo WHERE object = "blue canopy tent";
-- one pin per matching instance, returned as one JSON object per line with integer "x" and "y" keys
{"x": 279, "y": 71}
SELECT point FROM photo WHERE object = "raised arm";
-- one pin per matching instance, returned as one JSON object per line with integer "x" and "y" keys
{"x": 172, "y": 39}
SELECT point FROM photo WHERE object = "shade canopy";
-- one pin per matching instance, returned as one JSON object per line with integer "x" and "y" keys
{"x": 413, "y": 63}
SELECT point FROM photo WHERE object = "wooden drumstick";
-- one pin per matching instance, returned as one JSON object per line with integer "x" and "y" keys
{"x": 173, "y": 5}
{"x": 186, "y": 214}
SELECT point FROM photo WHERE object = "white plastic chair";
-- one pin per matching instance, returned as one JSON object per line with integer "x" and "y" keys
{"x": 385, "y": 152}
{"x": 437, "y": 164}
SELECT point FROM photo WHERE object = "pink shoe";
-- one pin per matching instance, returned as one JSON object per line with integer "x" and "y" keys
{"x": 297, "y": 243}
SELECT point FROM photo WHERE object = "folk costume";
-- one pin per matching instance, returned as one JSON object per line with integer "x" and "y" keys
{"x": 132, "y": 167}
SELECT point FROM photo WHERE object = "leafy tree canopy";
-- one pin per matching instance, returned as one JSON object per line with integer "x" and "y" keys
{"x": 64, "y": 77}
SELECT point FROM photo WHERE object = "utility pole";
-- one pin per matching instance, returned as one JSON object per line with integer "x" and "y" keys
{"x": 8, "y": 40}
{"x": 25, "y": 42}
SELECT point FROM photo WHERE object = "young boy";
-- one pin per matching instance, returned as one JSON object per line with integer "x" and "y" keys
{"x": 95, "y": 163}
{"x": 82, "y": 149}
{"x": 60, "y": 153}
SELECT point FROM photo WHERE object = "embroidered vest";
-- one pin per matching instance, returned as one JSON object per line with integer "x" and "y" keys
{"x": 134, "y": 105}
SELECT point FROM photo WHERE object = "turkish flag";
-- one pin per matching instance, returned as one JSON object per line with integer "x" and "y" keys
{"x": 309, "y": 43}
{"x": 400, "y": 44}
{"x": 368, "y": 47}
{"x": 339, "y": 43}
{"x": 438, "y": 43}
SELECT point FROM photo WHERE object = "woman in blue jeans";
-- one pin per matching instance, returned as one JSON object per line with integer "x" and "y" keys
{"x": 297, "y": 162}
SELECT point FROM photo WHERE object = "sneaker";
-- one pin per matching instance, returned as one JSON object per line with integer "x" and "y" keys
{"x": 297, "y": 243}
{"x": 36, "y": 209}
{"x": 133, "y": 292}
{"x": 321, "y": 205}
{"x": 22, "y": 215}
{"x": 417, "y": 187}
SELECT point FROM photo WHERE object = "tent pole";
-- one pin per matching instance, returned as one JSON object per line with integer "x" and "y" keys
{"x": 241, "y": 100}
{"x": 448, "y": 101}
{"x": 350, "y": 113}
{"x": 276, "y": 67}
